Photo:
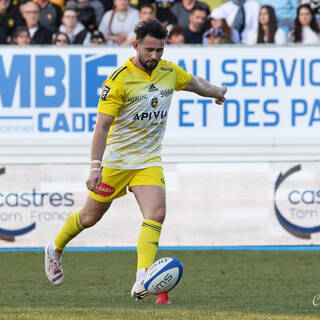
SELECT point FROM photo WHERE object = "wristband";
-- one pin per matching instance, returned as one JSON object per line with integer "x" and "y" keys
{"x": 95, "y": 169}
{"x": 96, "y": 161}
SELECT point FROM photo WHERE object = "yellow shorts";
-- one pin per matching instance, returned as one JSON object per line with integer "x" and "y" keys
{"x": 115, "y": 182}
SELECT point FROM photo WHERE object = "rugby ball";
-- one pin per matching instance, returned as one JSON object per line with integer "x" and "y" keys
{"x": 163, "y": 275}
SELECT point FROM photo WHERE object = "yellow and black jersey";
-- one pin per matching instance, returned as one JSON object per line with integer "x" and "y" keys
{"x": 140, "y": 104}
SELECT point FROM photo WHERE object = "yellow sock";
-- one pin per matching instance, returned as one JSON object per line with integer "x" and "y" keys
{"x": 148, "y": 243}
{"x": 70, "y": 229}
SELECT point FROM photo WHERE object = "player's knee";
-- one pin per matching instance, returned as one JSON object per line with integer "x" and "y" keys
{"x": 89, "y": 219}
{"x": 158, "y": 213}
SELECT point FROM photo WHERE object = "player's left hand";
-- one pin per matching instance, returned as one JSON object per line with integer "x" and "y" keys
{"x": 220, "y": 99}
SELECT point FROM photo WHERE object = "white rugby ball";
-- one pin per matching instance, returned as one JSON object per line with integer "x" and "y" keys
{"x": 163, "y": 275}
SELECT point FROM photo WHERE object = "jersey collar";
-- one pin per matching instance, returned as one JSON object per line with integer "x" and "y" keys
{"x": 132, "y": 67}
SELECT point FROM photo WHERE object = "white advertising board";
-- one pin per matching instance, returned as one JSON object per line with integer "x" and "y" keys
{"x": 273, "y": 92}
{"x": 210, "y": 204}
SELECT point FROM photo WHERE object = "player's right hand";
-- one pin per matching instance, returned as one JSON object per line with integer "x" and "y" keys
{"x": 93, "y": 181}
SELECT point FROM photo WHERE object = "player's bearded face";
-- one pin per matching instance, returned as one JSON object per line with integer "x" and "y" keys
{"x": 148, "y": 64}
{"x": 150, "y": 52}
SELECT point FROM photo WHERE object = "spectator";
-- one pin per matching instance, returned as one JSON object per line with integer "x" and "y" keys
{"x": 61, "y": 39}
{"x": 216, "y": 36}
{"x": 75, "y": 30}
{"x": 162, "y": 11}
{"x": 286, "y": 11}
{"x": 164, "y": 14}
{"x": 146, "y": 12}
{"x": 241, "y": 15}
{"x": 176, "y": 35}
{"x": 38, "y": 34}
{"x": 10, "y": 17}
{"x": 306, "y": 30}
{"x": 50, "y": 15}
{"x": 315, "y": 6}
{"x": 267, "y": 31}
{"x": 97, "y": 38}
{"x": 182, "y": 10}
{"x": 117, "y": 23}
{"x": 21, "y": 36}
{"x": 86, "y": 13}
{"x": 222, "y": 24}
{"x": 219, "y": 33}
{"x": 194, "y": 31}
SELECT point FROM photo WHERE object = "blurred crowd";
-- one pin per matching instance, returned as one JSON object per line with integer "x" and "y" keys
{"x": 111, "y": 22}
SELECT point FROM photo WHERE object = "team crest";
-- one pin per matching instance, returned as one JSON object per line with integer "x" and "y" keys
{"x": 105, "y": 92}
{"x": 154, "y": 102}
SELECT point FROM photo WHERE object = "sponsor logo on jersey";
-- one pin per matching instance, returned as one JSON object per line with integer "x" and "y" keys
{"x": 105, "y": 190}
{"x": 152, "y": 88}
{"x": 154, "y": 102}
{"x": 137, "y": 98}
{"x": 105, "y": 92}
{"x": 151, "y": 115}
{"x": 166, "y": 92}
{"x": 166, "y": 69}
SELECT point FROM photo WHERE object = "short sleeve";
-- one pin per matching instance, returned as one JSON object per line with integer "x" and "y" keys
{"x": 183, "y": 78}
{"x": 111, "y": 99}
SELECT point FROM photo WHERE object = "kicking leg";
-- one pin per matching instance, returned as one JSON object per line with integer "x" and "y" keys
{"x": 88, "y": 216}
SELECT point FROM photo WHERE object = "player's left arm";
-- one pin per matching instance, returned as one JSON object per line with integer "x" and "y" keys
{"x": 205, "y": 89}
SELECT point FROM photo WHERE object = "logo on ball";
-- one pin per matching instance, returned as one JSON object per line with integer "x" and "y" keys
{"x": 163, "y": 275}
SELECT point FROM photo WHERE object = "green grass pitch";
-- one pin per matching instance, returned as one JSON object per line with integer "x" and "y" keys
{"x": 219, "y": 285}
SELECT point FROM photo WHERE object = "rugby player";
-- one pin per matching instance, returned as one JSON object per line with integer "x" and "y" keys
{"x": 126, "y": 145}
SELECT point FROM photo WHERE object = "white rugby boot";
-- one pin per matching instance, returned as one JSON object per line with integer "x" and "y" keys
{"x": 138, "y": 291}
{"x": 53, "y": 265}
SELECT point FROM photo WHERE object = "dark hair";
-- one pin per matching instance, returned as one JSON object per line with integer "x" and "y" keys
{"x": 71, "y": 9}
{"x": 297, "y": 32}
{"x": 175, "y": 30}
{"x": 97, "y": 36}
{"x": 199, "y": 6}
{"x": 226, "y": 29}
{"x": 17, "y": 32}
{"x": 146, "y": 5}
{"x": 272, "y": 26}
{"x": 54, "y": 41}
{"x": 151, "y": 28}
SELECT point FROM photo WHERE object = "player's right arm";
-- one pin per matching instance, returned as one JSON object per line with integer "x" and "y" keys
{"x": 103, "y": 124}
{"x": 109, "y": 106}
